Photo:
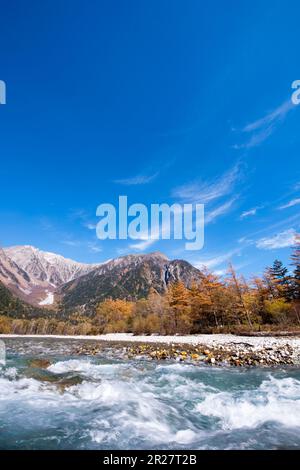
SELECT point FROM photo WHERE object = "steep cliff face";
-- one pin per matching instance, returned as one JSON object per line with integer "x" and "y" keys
{"x": 130, "y": 277}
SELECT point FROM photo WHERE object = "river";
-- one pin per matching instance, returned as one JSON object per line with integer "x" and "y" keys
{"x": 107, "y": 402}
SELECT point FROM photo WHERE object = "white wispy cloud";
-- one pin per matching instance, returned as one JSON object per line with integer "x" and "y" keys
{"x": 272, "y": 117}
{"x": 138, "y": 179}
{"x": 71, "y": 242}
{"x": 142, "y": 245}
{"x": 293, "y": 202}
{"x": 256, "y": 139}
{"x": 282, "y": 224}
{"x": 205, "y": 192}
{"x": 262, "y": 128}
{"x": 152, "y": 235}
{"x": 219, "y": 211}
{"x": 94, "y": 247}
{"x": 280, "y": 240}
{"x": 78, "y": 214}
{"x": 91, "y": 246}
{"x": 216, "y": 260}
{"x": 250, "y": 212}
{"x": 201, "y": 193}
{"x": 83, "y": 217}
{"x": 90, "y": 226}
{"x": 297, "y": 186}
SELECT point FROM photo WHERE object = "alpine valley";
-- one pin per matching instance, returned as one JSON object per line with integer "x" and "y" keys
{"x": 39, "y": 282}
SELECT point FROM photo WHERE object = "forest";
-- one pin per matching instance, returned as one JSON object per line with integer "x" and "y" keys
{"x": 214, "y": 305}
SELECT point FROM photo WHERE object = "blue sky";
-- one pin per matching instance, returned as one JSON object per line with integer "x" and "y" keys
{"x": 161, "y": 101}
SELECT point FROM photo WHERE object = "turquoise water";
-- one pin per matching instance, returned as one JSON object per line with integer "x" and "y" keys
{"x": 81, "y": 402}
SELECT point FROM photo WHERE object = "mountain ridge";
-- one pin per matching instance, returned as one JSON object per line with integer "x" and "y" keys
{"x": 46, "y": 266}
{"x": 129, "y": 277}
{"x": 45, "y": 279}
{"x": 33, "y": 275}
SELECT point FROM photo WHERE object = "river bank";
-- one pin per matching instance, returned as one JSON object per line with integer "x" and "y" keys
{"x": 216, "y": 349}
{"x": 85, "y": 394}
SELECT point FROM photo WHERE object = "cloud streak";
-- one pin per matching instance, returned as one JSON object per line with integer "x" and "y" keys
{"x": 142, "y": 245}
{"x": 94, "y": 247}
{"x": 205, "y": 192}
{"x": 271, "y": 118}
{"x": 137, "y": 180}
{"x": 283, "y": 239}
{"x": 223, "y": 209}
{"x": 250, "y": 212}
{"x": 292, "y": 203}
{"x": 264, "y": 127}
{"x": 217, "y": 260}
{"x": 90, "y": 226}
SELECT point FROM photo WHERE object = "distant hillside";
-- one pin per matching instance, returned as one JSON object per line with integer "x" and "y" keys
{"x": 33, "y": 275}
{"x": 129, "y": 277}
{"x": 52, "y": 284}
{"x": 12, "y": 306}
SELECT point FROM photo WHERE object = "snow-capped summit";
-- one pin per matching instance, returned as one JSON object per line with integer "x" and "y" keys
{"x": 43, "y": 266}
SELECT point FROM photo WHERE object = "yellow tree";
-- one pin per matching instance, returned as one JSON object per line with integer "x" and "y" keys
{"x": 238, "y": 290}
{"x": 179, "y": 311}
{"x": 200, "y": 302}
{"x": 114, "y": 315}
{"x": 5, "y": 325}
{"x": 150, "y": 315}
{"x": 214, "y": 289}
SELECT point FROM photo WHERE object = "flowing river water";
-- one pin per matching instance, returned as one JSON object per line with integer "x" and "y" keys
{"x": 108, "y": 402}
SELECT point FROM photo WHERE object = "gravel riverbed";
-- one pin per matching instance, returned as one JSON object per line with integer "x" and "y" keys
{"x": 217, "y": 349}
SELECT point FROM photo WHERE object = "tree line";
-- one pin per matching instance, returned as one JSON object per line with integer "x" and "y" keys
{"x": 211, "y": 305}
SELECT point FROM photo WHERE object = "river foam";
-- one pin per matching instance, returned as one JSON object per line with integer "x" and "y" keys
{"x": 89, "y": 403}
{"x": 276, "y": 400}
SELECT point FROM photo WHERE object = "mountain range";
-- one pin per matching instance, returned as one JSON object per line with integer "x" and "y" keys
{"x": 49, "y": 281}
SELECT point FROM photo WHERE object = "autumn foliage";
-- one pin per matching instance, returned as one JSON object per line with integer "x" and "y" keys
{"x": 211, "y": 305}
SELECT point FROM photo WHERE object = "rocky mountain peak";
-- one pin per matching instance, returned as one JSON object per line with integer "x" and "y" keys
{"x": 45, "y": 266}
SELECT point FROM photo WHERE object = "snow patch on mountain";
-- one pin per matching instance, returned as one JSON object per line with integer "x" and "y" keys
{"x": 49, "y": 299}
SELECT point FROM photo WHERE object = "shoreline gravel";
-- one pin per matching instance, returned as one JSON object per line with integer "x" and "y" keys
{"x": 215, "y": 349}
{"x": 203, "y": 339}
